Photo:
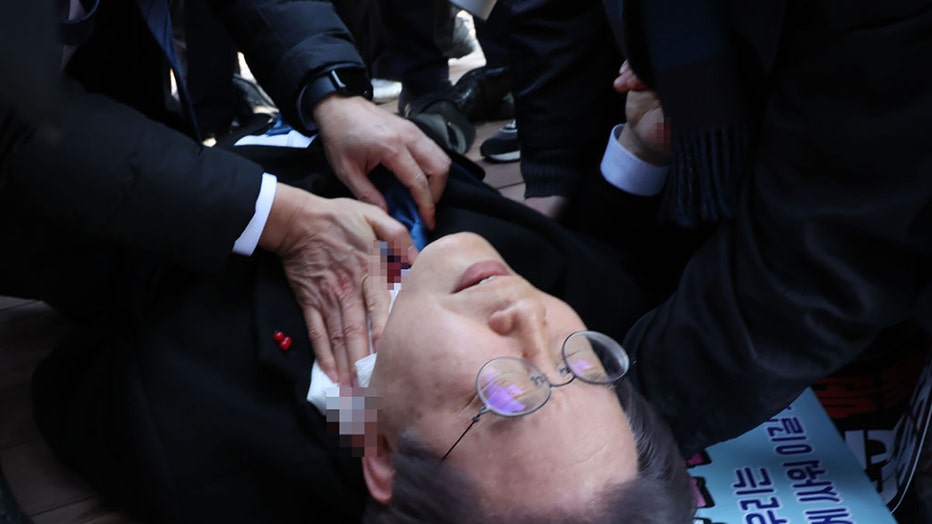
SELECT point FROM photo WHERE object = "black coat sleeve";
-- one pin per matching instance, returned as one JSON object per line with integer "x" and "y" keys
{"x": 132, "y": 181}
{"x": 287, "y": 42}
{"x": 832, "y": 242}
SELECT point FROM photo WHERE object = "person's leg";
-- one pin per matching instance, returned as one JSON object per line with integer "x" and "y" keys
{"x": 415, "y": 57}
{"x": 364, "y": 20}
{"x": 563, "y": 61}
{"x": 484, "y": 93}
{"x": 492, "y": 34}
{"x": 211, "y": 62}
{"x": 453, "y": 37}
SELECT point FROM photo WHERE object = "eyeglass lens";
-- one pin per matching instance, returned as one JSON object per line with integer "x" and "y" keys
{"x": 513, "y": 386}
{"x": 508, "y": 388}
{"x": 594, "y": 357}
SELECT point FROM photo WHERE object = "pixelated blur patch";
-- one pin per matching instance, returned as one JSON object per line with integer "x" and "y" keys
{"x": 352, "y": 414}
{"x": 391, "y": 263}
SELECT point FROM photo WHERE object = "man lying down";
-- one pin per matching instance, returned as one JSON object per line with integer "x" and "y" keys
{"x": 495, "y": 395}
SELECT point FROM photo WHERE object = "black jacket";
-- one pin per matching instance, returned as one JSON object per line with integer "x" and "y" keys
{"x": 120, "y": 167}
{"x": 832, "y": 239}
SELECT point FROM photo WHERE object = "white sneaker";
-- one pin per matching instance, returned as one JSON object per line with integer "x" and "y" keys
{"x": 503, "y": 146}
{"x": 385, "y": 90}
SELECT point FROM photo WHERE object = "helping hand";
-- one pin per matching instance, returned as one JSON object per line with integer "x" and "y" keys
{"x": 647, "y": 134}
{"x": 359, "y": 135}
{"x": 330, "y": 254}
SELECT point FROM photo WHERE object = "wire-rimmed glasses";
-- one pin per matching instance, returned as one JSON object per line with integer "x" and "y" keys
{"x": 513, "y": 387}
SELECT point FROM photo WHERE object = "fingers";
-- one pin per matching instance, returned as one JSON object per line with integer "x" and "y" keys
{"x": 395, "y": 234}
{"x": 416, "y": 160}
{"x": 375, "y": 288}
{"x": 423, "y": 168}
{"x": 411, "y": 254}
{"x": 409, "y": 173}
{"x": 320, "y": 341}
{"x": 434, "y": 162}
{"x": 338, "y": 331}
{"x": 360, "y": 185}
{"x": 627, "y": 80}
{"x": 353, "y": 334}
{"x": 362, "y": 303}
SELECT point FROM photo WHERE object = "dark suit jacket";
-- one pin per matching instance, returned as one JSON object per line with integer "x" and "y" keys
{"x": 186, "y": 410}
{"x": 832, "y": 239}
{"x": 116, "y": 170}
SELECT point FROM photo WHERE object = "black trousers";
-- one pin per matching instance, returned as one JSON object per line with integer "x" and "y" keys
{"x": 563, "y": 58}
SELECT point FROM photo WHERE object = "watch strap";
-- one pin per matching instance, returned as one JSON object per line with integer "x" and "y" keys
{"x": 346, "y": 81}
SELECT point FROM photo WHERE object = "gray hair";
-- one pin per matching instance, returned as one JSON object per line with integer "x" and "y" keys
{"x": 428, "y": 491}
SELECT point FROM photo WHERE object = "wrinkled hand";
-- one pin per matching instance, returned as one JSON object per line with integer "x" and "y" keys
{"x": 647, "y": 134}
{"x": 330, "y": 254}
{"x": 359, "y": 135}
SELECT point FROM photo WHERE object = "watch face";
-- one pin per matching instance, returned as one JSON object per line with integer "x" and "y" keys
{"x": 352, "y": 81}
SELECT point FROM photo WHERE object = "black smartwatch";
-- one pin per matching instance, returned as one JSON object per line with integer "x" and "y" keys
{"x": 346, "y": 81}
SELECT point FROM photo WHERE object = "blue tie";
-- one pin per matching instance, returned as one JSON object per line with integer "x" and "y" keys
{"x": 158, "y": 18}
{"x": 401, "y": 206}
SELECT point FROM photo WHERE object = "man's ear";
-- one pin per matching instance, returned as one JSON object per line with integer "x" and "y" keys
{"x": 379, "y": 473}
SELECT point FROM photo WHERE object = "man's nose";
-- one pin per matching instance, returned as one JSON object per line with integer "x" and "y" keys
{"x": 525, "y": 321}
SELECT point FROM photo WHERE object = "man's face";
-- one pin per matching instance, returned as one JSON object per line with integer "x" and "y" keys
{"x": 461, "y": 306}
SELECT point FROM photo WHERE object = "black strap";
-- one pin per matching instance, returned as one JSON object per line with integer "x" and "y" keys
{"x": 77, "y": 31}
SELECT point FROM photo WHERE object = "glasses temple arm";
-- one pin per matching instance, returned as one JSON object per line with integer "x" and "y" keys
{"x": 475, "y": 419}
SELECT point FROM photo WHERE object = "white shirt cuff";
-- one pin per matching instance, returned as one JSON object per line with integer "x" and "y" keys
{"x": 629, "y": 173}
{"x": 247, "y": 242}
